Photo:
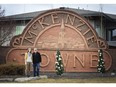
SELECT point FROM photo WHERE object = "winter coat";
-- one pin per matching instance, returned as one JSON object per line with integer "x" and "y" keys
{"x": 36, "y": 57}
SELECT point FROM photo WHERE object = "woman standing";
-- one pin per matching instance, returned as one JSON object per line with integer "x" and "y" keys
{"x": 28, "y": 62}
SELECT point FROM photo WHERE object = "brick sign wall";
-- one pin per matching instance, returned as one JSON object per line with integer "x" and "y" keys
{"x": 64, "y": 30}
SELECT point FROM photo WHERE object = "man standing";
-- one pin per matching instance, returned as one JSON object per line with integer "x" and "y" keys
{"x": 36, "y": 58}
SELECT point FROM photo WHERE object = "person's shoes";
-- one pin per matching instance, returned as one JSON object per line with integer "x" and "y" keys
{"x": 38, "y": 75}
{"x": 28, "y": 75}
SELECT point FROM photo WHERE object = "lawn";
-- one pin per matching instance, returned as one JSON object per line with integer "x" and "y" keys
{"x": 65, "y": 80}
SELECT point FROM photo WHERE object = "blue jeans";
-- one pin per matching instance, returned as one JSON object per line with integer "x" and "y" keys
{"x": 36, "y": 67}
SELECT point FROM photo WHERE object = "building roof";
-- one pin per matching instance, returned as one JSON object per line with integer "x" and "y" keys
{"x": 24, "y": 16}
{"x": 112, "y": 16}
{"x": 30, "y": 15}
{"x": 82, "y": 12}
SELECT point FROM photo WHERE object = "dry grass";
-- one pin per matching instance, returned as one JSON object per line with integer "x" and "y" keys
{"x": 64, "y": 80}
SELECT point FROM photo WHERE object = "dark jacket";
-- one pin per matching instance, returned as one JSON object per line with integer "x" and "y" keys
{"x": 36, "y": 57}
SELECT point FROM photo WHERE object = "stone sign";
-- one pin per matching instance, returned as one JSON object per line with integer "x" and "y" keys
{"x": 67, "y": 31}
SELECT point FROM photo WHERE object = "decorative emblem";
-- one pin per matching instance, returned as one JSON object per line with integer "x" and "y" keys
{"x": 17, "y": 41}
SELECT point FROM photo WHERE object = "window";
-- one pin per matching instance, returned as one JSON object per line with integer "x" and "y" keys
{"x": 114, "y": 35}
{"x": 19, "y": 30}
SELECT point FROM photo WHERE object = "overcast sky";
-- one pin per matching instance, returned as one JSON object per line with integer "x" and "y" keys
{"x": 12, "y": 9}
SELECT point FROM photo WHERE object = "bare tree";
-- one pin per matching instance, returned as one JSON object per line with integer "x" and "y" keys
{"x": 6, "y": 27}
{"x": 2, "y": 12}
